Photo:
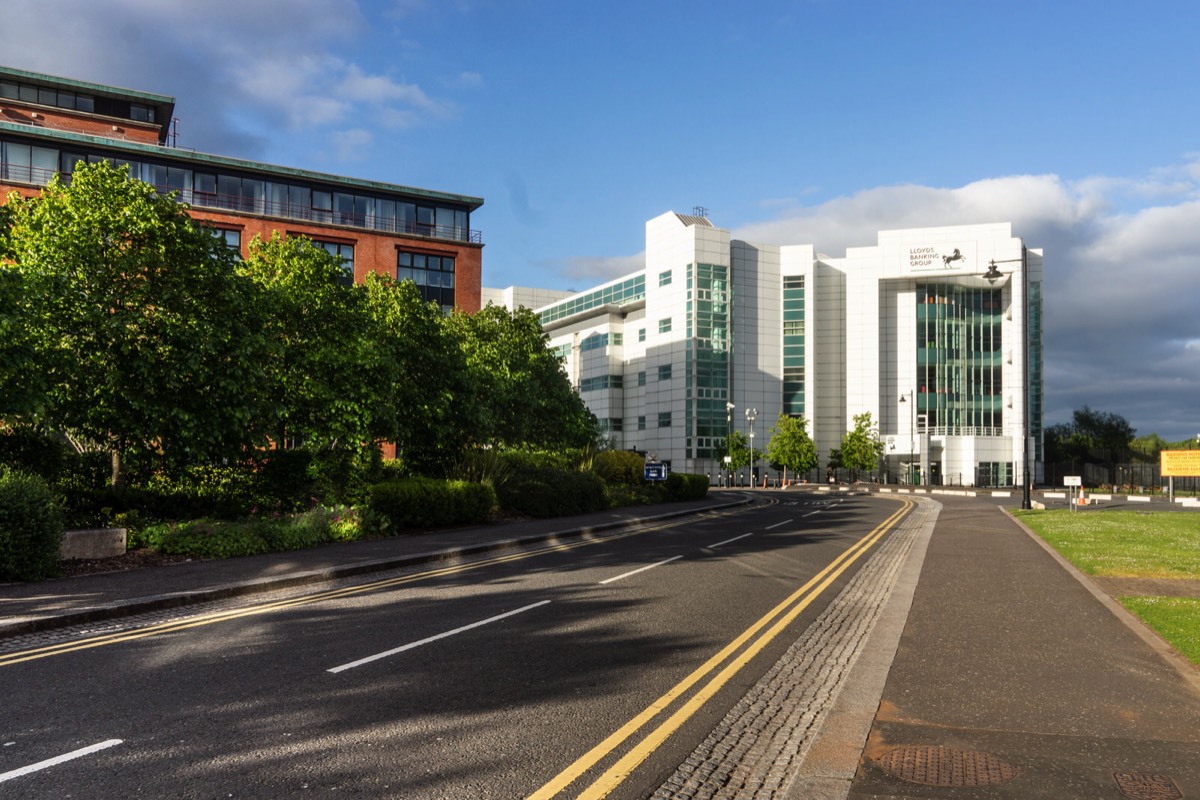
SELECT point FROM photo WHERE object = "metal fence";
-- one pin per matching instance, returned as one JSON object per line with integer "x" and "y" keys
{"x": 1133, "y": 477}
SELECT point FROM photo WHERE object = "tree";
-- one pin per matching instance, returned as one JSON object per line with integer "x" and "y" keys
{"x": 24, "y": 394}
{"x": 327, "y": 373}
{"x": 520, "y": 394}
{"x": 146, "y": 338}
{"x": 737, "y": 447}
{"x": 861, "y": 447}
{"x": 424, "y": 413}
{"x": 1063, "y": 443}
{"x": 1108, "y": 434}
{"x": 1149, "y": 446}
{"x": 790, "y": 446}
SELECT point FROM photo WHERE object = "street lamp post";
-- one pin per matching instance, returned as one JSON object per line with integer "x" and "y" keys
{"x": 992, "y": 275}
{"x": 912, "y": 431}
{"x": 729, "y": 444}
{"x": 751, "y": 414}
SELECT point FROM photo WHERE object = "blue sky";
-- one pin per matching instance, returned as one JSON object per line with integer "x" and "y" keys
{"x": 791, "y": 122}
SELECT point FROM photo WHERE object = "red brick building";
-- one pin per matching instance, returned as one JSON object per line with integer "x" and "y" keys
{"x": 50, "y": 124}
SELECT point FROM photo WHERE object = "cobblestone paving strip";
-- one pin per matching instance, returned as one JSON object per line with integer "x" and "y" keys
{"x": 754, "y": 752}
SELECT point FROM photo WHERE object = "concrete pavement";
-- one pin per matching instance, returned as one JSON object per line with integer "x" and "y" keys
{"x": 1015, "y": 677}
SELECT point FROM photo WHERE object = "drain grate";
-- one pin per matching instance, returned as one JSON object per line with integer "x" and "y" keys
{"x": 945, "y": 766}
{"x": 1142, "y": 786}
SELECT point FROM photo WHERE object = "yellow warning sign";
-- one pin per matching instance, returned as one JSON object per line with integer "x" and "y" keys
{"x": 1180, "y": 463}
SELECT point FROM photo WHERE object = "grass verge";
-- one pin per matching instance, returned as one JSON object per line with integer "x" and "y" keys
{"x": 1134, "y": 544}
{"x": 1176, "y": 619}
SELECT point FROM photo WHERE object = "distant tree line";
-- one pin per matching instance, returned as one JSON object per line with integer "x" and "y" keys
{"x": 1104, "y": 439}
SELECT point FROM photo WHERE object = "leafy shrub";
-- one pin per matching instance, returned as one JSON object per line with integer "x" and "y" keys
{"x": 36, "y": 453}
{"x": 86, "y": 471}
{"x": 428, "y": 503}
{"x": 31, "y": 527}
{"x": 295, "y": 480}
{"x": 210, "y": 538}
{"x": 684, "y": 486}
{"x": 551, "y": 492}
{"x": 297, "y": 532}
{"x": 282, "y": 482}
{"x": 394, "y": 470}
{"x": 226, "y": 492}
{"x": 483, "y": 466}
{"x": 623, "y": 467}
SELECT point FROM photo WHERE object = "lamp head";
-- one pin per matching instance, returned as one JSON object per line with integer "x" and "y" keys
{"x": 993, "y": 273}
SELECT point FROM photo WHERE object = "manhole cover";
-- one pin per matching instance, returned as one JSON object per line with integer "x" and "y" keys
{"x": 945, "y": 766}
{"x": 1140, "y": 786}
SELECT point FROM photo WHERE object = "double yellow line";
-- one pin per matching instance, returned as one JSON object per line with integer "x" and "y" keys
{"x": 132, "y": 634}
{"x": 777, "y": 618}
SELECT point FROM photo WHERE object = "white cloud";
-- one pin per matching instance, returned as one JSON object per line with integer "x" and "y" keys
{"x": 280, "y": 67}
{"x": 601, "y": 269}
{"x": 467, "y": 80}
{"x": 354, "y": 144}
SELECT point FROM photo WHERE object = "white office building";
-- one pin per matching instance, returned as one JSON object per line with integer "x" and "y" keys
{"x": 936, "y": 332}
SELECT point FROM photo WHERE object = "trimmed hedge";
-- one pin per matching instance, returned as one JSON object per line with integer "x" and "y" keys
{"x": 428, "y": 503}
{"x": 549, "y": 492}
{"x": 620, "y": 467}
{"x": 31, "y": 527}
{"x": 685, "y": 486}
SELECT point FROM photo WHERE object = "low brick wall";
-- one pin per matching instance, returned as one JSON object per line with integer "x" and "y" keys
{"x": 96, "y": 543}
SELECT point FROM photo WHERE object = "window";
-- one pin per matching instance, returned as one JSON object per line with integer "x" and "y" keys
{"x": 641, "y": 378}
{"x": 601, "y": 382}
{"x": 433, "y": 275}
{"x": 232, "y": 239}
{"x": 641, "y": 423}
{"x": 664, "y": 278}
{"x": 664, "y": 372}
{"x": 664, "y": 419}
{"x": 664, "y": 325}
{"x": 346, "y": 253}
{"x": 641, "y": 334}
{"x": 598, "y": 341}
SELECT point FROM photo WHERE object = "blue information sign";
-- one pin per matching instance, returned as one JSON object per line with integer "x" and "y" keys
{"x": 656, "y": 471}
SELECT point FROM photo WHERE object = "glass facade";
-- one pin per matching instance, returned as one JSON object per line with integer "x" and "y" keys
{"x": 598, "y": 341}
{"x": 626, "y": 291}
{"x": 601, "y": 382}
{"x": 793, "y": 345}
{"x": 203, "y": 186}
{"x": 707, "y": 361}
{"x": 959, "y": 355}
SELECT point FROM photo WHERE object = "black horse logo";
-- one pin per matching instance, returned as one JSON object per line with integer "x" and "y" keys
{"x": 957, "y": 256}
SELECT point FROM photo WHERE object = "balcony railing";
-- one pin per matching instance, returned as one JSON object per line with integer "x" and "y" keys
{"x": 21, "y": 173}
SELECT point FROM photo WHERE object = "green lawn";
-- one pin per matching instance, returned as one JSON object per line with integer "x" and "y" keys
{"x": 1136, "y": 544}
{"x": 1176, "y": 619}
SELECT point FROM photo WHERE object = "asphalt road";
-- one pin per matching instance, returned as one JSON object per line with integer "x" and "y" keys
{"x": 540, "y": 673}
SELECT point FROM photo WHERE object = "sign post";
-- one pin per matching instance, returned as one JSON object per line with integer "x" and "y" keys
{"x": 1178, "y": 464}
{"x": 1075, "y": 484}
